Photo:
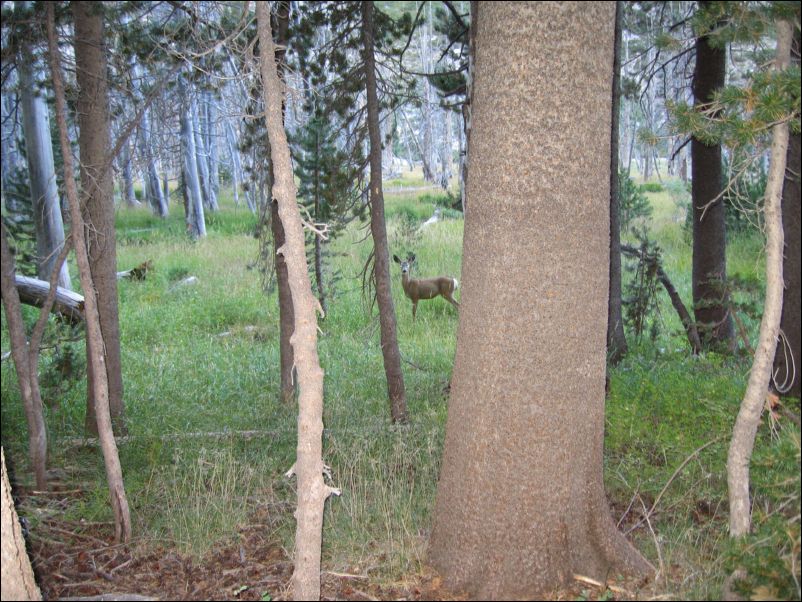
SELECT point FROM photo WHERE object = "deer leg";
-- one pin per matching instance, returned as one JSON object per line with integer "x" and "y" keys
{"x": 414, "y": 310}
{"x": 451, "y": 300}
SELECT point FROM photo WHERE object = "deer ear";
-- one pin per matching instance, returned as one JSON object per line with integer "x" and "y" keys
{"x": 395, "y": 258}
{"x": 411, "y": 257}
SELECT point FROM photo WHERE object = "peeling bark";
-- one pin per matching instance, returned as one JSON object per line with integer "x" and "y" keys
{"x": 309, "y": 468}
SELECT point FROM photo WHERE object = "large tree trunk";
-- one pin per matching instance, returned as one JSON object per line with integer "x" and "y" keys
{"x": 97, "y": 202}
{"x": 309, "y": 468}
{"x": 381, "y": 255}
{"x": 745, "y": 430}
{"x": 18, "y": 582}
{"x": 86, "y": 19}
{"x": 616, "y": 340}
{"x": 520, "y": 503}
{"x": 787, "y": 359}
{"x": 44, "y": 189}
{"x": 710, "y": 298}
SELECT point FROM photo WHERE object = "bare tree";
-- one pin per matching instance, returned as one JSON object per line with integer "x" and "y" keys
{"x": 389, "y": 338}
{"x": 27, "y": 376}
{"x": 309, "y": 468}
{"x": 743, "y": 436}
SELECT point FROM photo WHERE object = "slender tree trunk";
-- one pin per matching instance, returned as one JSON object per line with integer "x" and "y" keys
{"x": 787, "y": 359}
{"x": 309, "y": 468}
{"x": 86, "y": 18}
{"x": 193, "y": 197}
{"x": 97, "y": 189}
{"x": 743, "y": 436}
{"x": 616, "y": 339}
{"x": 236, "y": 166}
{"x": 285, "y": 302}
{"x": 27, "y": 373}
{"x": 211, "y": 145}
{"x": 153, "y": 191}
{"x": 520, "y": 504}
{"x": 710, "y": 298}
{"x": 44, "y": 190}
{"x": 129, "y": 198}
{"x": 18, "y": 582}
{"x": 389, "y": 339}
{"x": 202, "y": 159}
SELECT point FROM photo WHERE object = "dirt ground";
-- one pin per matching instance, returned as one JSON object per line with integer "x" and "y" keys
{"x": 78, "y": 560}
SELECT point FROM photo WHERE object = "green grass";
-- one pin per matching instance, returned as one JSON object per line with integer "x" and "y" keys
{"x": 202, "y": 358}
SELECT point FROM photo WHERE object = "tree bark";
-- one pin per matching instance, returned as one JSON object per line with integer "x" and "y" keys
{"x": 389, "y": 338}
{"x": 127, "y": 178}
{"x": 287, "y": 385}
{"x": 27, "y": 372}
{"x": 42, "y": 171}
{"x": 99, "y": 382}
{"x": 18, "y": 582}
{"x": 97, "y": 202}
{"x": 787, "y": 359}
{"x": 193, "y": 197}
{"x": 309, "y": 468}
{"x": 709, "y": 272}
{"x": 520, "y": 504}
{"x": 743, "y": 436}
{"x": 616, "y": 339}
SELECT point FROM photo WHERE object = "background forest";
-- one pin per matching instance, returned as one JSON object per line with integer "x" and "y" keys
{"x": 181, "y": 238}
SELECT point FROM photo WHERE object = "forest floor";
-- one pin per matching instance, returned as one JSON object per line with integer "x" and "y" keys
{"x": 212, "y": 511}
{"x": 81, "y": 561}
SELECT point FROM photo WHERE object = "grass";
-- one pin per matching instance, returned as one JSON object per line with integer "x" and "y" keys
{"x": 202, "y": 357}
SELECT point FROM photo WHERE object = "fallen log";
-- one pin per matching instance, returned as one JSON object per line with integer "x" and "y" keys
{"x": 68, "y": 304}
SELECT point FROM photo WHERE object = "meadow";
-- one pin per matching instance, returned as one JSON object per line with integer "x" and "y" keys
{"x": 209, "y": 442}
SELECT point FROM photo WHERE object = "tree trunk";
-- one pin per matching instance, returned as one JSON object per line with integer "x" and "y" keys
{"x": 18, "y": 582}
{"x": 211, "y": 145}
{"x": 193, "y": 197}
{"x": 88, "y": 27}
{"x": 236, "y": 165}
{"x": 520, "y": 503}
{"x": 743, "y": 436}
{"x": 97, "y": 203}
{"x": 285, "y": 302}
{"x": 202, "y": 159}
{"x": 787, "y": 359}
{"x": 27, "y": 373}
{"x": 153, "y": 191}
{"x": 309, "y": 468}
{"x": 384, "y": 298}
{"x": 616, "y": 339}
{"x": 710, "y": 297}
{"x": 44, "y": 190}
{"x": 129, "y": 198}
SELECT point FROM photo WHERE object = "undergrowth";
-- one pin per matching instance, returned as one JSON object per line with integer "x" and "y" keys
{"x": 211, "y": 442}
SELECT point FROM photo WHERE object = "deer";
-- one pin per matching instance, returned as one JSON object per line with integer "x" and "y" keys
{"x": 425, "y": 288}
